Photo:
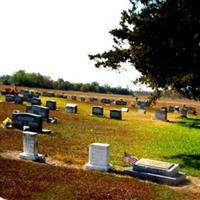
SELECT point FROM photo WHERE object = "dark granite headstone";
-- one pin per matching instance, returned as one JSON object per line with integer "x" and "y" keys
{"x": 35, "y": 101}
{"x": 120, "y": 102}
{"x": 106, "y": 101}
{"x": 74, "y": 98}
{"x": 116, "y": 114}
{"x": 93, "y": 99}
{"x": 82, "y": 99}
{"x": 97, "y": 110}
{"x": 19, "y": 100}
{"x": 71, "y": 108}
{"x": 48, "y": 94}
{"x": 51, "y": 104}
{"x": 33, "y": 121}
{"x": 10, "y": 98}
{"x": 39, "y": 110}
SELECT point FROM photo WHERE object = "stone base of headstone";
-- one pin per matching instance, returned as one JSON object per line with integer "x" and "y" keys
{"x": 37, "y": 158}
{"x": 102, "y": 168}
{"x": 157, "y": 171}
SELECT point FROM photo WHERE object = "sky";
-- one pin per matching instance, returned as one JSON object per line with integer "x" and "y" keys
{"x": 54, "y": 38}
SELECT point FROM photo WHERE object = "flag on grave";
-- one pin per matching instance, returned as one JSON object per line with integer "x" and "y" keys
{"x": 130, "y": 158}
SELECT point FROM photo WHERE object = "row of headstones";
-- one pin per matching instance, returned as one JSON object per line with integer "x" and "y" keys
{"x": 96, "y": 111}
{"x": 90, "y": 99}
{"x": 51, "y": 104}
{"x": 99, "y": 159}
{"x": 33, "y": 118}
{"x": 161, "y": 114}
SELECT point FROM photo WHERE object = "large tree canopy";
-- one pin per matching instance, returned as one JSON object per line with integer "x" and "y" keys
{"x": 161, "y": 39}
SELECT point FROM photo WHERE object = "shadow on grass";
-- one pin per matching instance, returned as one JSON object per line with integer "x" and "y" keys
{"x": 188, "y": 122}
{"x": 187, "y": 160}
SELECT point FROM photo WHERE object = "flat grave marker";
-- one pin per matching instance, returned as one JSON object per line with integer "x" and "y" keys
{"x": 158, "y": 171}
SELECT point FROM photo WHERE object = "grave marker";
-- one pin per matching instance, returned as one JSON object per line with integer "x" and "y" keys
{"x": 30, "y": 147}
{"x": 27, "y": 119}
{"x": 51, "y": 104}
{"x": 159, "y": 171}
{"x": 19, "y": 100}
{"x": 71, "y": 108}
{"x": 97, "y": 110}
{"x": 161, "y": 114}
{"x": 35, "y": 101}
{"x": 99, "y": 156}
{"x": 10, "y": 98}
{"x": 74, "y": 98}
{"x": 39, "y": 110}
{"x": 116, "y": 114}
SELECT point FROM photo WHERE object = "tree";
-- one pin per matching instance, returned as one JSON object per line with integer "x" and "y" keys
{"x": 161, "y": 39}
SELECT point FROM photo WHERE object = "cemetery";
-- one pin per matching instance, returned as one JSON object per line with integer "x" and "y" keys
{"x": 97, "y": 145}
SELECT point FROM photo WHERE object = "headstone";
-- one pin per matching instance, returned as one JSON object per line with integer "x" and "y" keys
{"x": 97, "y": 110}
{"x": 159, "y": 171}
{"x": 161, "y": 114}
{"x": 105, "y": 101}
{"x": 93, "y": 99}
{"x": 116, "y": 114}
{"x": 24, "y": 91}
{"x": 99, "y": 156}
{"x": 82, "y": 99}
{"x": 124, "y": 109}
{"x": 35, "y": 101}
{"x": 184, "y": 112}
{"x": 27, "y": 97}
{"x": 51, "y": 104}
{"x": 10, "y": 98}
{"x": 71, "y": 108}
{"x": 61, "y": 96}
{"x": 176, "y": 109}
{"x": 120, "y": 102}
{"x": 19, "y": 100}
{"x": 39, "y": 110}
{"x": 36, "y": 94}
{"x": 48, "y": 94}
{"x": 27, "y": 119}
{"x": 142, "y": 104}
{"x": 191, "y": 110}
{"x": 30, "y": 147}
{"x": 171, "y": 109}
{"x": 74, "y": 98}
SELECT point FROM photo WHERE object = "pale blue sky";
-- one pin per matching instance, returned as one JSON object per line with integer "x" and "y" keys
{"x": 54, "y": 37}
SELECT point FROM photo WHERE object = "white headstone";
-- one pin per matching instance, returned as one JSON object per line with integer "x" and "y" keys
{"x": 30, "y": 147}
{"x": 99, "y": 156}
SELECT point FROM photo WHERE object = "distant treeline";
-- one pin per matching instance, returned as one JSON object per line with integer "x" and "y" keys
{"x": 37, "y": 80}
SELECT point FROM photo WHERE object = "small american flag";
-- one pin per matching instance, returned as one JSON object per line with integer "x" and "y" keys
{"x": 130, "y": 158}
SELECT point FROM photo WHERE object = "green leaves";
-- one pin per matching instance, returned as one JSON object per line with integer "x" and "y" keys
{"x": 161, "y": 39}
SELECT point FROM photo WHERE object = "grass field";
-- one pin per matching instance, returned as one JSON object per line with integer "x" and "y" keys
{"x": 137, "y": 134}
